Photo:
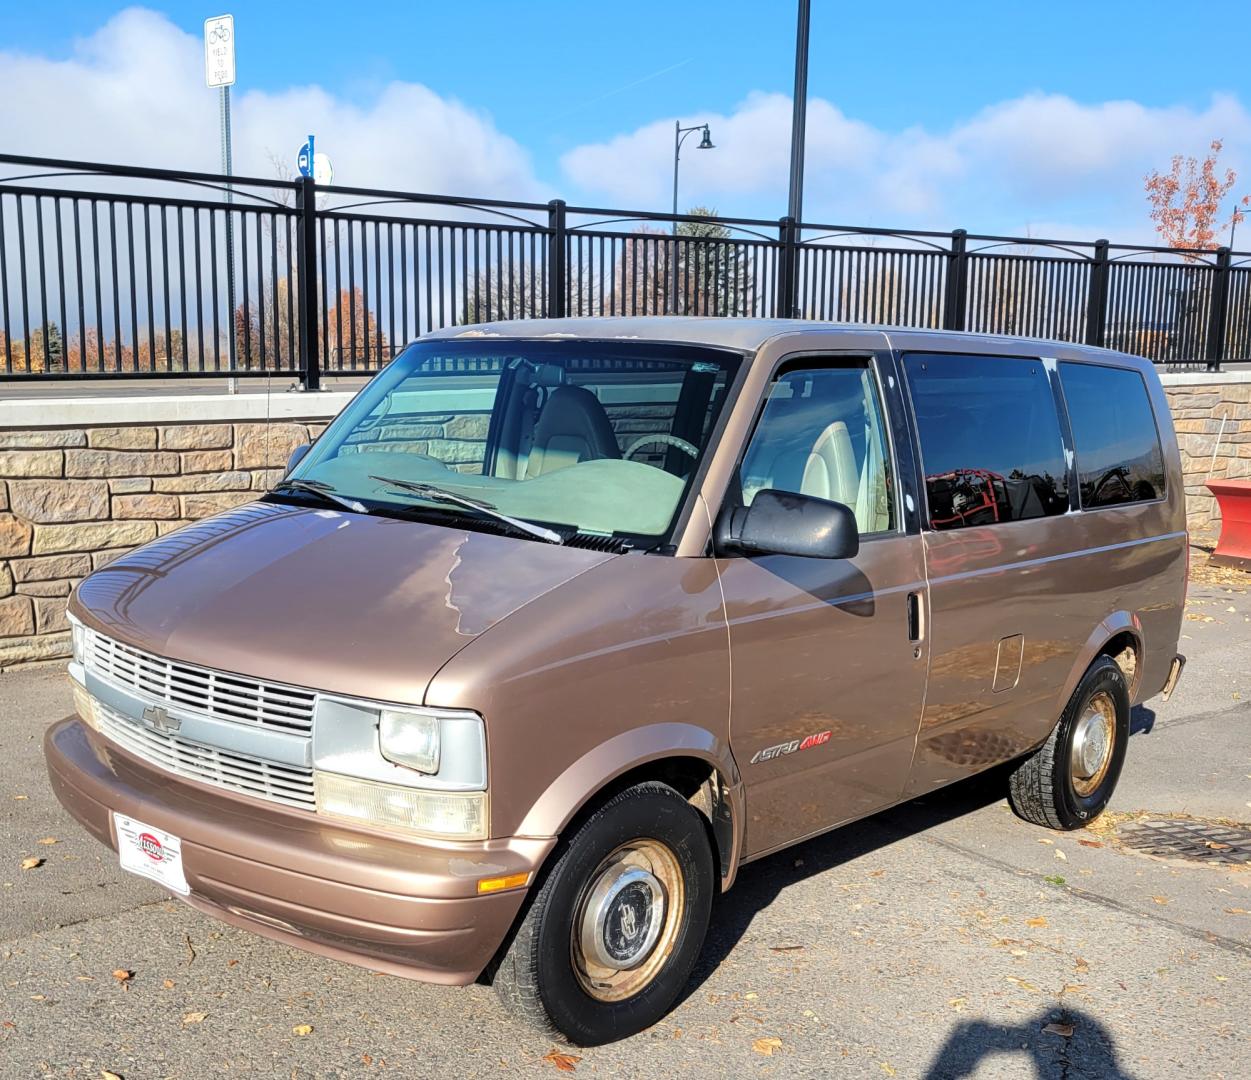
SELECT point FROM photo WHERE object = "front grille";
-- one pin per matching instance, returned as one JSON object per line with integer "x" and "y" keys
{"x": 291, "y": 785}
{"x": 211, "y": 693}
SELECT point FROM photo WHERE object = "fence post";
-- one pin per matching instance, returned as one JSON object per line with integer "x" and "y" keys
{"x": 956, "y": 293}
{"x": 788, "y": 269}
{"x": 306, "y": 268}
{"x": 1215, "y": 351}
{"x": 1097, "y": 300}
{"x": 557, "y": 261}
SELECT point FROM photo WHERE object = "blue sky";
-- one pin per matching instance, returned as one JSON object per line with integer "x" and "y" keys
{"x": 991, "y": 116}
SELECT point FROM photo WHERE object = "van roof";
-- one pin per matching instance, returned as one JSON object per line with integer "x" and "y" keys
{"x": 748, "y": 335}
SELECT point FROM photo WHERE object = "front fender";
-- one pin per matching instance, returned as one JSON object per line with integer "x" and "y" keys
{"x": 591, "y": 773}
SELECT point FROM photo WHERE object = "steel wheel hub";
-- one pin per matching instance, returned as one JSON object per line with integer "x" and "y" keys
{"x": 623, "y": 917}
{"x": 627, "y": 920}
{"x": 1093, "y": 737}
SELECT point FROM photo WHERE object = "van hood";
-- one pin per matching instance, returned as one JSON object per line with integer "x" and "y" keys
{"x": 362, "y": 606}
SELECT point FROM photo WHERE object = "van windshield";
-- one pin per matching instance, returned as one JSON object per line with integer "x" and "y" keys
{"x": 591, "y": 437}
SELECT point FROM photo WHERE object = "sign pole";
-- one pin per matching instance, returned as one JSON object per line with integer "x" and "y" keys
{"x": 219, "y": 74}
{"x": 228, "y": 169}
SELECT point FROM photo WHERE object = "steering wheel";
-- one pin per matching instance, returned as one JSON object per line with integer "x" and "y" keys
{"x": 667, "y": 440}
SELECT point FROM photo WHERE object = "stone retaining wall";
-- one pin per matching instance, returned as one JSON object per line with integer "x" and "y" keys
{"x": 71, "y": 499}
{"x": 1213, "y": 423}
{"x": 82, "y": 480}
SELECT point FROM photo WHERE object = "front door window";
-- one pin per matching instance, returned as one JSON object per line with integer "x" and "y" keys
{"x": 821, "y": 433}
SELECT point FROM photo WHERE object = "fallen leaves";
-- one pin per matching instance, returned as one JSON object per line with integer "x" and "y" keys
{"x": 562, "y": 1062}
{"x": 48, "y": 841}
{"x": 168, "y": 984}
{"x": 1081, "y": 965}
{"x": 108, "y": 1074}
{"x": 32, "y": 862}
{"x": 1065, "y": 1031}
{"x": 768, "y": 1045}
{"x": 194, "y": 1018}
{"x": 302, "y": 1029}
{"x": 1091, "y": 843}
{"x": 785, "y": 948}
{"x": 1037, "y": 921}
{"x": 123, "y": 975}
{"x": 1161, "y": 899}
{"x": 1237, "y": 911}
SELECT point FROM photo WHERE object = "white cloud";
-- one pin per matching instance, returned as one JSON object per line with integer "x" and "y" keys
{"x": 133, "y": 92}
{"x": 1010, "y": 166}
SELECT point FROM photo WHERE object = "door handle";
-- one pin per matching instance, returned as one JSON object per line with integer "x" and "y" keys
{"x": 915, "y": 629}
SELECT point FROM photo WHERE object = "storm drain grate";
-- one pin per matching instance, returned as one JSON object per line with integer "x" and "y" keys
{"x": 1202, "y": 841}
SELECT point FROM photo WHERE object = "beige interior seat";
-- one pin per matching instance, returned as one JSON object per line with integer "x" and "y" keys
{"x": 831, "y": 472}
{"x": 572, "y": 427}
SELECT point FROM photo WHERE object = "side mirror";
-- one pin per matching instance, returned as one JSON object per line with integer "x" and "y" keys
{"x": 785, "y": 523}
{"x": 297, "y": 455}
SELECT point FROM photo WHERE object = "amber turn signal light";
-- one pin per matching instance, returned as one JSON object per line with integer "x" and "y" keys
{"x": 499, "y": 884}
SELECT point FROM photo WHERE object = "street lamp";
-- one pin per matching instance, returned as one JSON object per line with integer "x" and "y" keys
{"x": 1239, "y": 212}
{"x": 705, "y": 143}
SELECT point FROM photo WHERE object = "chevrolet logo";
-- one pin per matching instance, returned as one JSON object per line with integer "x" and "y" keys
{"x": 159, "y": 719}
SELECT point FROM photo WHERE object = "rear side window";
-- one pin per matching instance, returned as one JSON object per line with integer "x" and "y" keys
{"x": 990, "y": 439}
{"x": 1118, "y": 447}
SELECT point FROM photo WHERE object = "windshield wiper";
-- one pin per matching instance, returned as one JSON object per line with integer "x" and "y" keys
{"x": 442, "y": 495}
{"x": 324, "y": 491}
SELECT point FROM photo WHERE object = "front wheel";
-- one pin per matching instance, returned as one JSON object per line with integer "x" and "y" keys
{"x": 610, "y": 939}
{"x": 1066, "y": 783}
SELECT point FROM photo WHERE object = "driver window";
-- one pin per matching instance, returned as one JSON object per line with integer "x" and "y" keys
{"x": 822, "y": 434}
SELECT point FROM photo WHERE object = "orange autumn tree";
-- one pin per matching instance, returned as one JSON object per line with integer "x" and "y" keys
{"x": 1186, "y": 201}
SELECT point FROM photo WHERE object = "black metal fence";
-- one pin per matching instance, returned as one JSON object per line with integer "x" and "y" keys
{"x": 113, "y": 272}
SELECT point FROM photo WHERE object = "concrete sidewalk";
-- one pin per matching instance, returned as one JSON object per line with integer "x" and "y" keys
{"x": 941, "y": 939}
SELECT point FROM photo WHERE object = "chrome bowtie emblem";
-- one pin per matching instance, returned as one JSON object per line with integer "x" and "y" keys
{"x": 159, "y": 718}
{"x": 629, "y": 921}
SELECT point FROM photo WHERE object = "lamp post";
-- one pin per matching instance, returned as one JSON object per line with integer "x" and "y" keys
{"x": 1239, "y": 213}
{"x": 799, "y": 114}
{"x": 705, "y": 143}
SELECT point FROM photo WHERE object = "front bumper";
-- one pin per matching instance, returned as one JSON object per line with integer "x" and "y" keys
{"x": 405, "y": 907}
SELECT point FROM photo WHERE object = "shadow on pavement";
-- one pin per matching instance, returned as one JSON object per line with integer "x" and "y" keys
{"x": 1141, "y": 720}
{"x": 1087, "y": 1050}
{"x": 759, "y": 883}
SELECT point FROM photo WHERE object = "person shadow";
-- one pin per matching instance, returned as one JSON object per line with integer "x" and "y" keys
{"x": 1059, "y": 1044}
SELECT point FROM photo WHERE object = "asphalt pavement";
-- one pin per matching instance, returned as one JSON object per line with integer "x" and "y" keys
{"x": 942, "y": 939}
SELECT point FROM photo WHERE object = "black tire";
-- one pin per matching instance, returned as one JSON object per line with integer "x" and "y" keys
{"x": 537, "y": 980}
{"x": 1043, "y": 789}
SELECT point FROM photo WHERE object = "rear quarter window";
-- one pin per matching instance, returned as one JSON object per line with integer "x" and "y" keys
{"x": 1119, "y": 459}
{"x": 990, "y": 439}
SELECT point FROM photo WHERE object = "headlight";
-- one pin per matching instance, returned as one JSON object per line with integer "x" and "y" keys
{"x": 78, "y": 641}
{"x": 448, "y": 815}
{"x": 422, "y": 770}
{"x": 410, "y": 738}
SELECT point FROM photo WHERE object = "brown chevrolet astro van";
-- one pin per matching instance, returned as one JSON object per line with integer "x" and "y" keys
{"x": 561, "y": 622}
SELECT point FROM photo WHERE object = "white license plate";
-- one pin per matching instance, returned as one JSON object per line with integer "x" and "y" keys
{"x": 151, "y": 852}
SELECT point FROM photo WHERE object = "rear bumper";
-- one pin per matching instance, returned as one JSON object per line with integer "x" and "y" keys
{"x": 1174, "y": 676}
{"x": 407, "y": 908}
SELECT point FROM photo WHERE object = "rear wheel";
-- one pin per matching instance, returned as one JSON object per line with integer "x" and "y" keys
{"x": 1066, "y": 783}
{"x": 611, "y": 937}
